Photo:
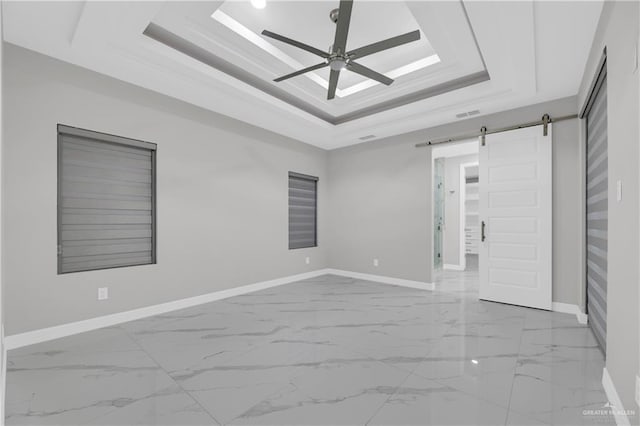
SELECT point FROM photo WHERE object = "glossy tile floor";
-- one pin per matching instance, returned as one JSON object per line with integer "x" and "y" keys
{"x": 330, "y": 351}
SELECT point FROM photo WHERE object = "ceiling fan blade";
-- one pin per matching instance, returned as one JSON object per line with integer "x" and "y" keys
{"x": 342, "y": 27}
{"x": 333, "y": 84}
{"x": 302, "y": 71}
{"x": 369, "y": 73}
{"x": 385, "y": 44}
{"x": 295, "y": 43}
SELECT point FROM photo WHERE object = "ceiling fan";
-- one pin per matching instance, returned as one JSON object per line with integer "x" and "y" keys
{"x": 338, "y": 58}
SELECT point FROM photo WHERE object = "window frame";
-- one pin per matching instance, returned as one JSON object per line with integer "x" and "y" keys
{"x": 313, "y": 179}
{"x": 62, "y": 129}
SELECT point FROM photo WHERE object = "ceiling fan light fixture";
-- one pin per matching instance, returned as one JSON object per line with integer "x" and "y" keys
{"x": 338, "y": 64}
{"x": 259, "y": 4}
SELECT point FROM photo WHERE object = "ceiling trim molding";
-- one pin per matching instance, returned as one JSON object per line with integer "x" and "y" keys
{"x": 169, "y": 39}
{"x": 529, "y": 60}
{"x": 439, "y": 89}
{"x": 186, "y": 47}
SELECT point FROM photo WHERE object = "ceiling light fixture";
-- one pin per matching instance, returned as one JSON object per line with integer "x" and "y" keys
{"x": 259, "y": 4}
{"x": 338, "y": 64}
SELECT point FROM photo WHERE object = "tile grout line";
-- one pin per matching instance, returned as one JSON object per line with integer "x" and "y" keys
{"x": 387, "y": 400}
{"x": 515, "y": 369}
{"x": 464, "y": 391}
{"x": 170, "y": 377}
{"x": 411, "y": 373}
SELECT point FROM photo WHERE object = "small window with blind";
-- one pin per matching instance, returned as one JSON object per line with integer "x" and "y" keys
{"x": 106, "y": 201}
{"x": 303, "y": 215}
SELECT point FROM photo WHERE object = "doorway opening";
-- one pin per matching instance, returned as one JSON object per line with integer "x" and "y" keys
{"x": 456, "y": 230}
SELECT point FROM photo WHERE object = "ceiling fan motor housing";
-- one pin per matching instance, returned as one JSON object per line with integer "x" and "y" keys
{"x": 338, "y": 63}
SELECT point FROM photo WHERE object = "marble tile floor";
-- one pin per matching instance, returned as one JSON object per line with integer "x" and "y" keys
{"x": 323, "y": 351}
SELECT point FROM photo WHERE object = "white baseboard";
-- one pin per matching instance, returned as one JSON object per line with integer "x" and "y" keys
{"x": 50, "y": 333}
{"x": 451, "y": 267}
{"x": 382, "y": 279}
{"x": 617, "y": 408}
{"x": 582, "y": 318}
{"x": 568, "y": 308}
{"x": 3, "y": 378}
{"x": 56, "y": 332}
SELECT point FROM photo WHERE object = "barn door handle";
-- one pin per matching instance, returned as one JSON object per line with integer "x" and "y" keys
{"x": 483, "y": 235}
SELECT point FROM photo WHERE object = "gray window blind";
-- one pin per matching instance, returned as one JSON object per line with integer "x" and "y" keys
{"x": 303, "y": 202}
{"x": 597, "y": 213}
{"x": 106, "y": 201}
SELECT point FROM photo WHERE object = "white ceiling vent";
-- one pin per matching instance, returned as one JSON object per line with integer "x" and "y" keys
{"x": 366, "y": 138}
{"x": 468, "y": 114}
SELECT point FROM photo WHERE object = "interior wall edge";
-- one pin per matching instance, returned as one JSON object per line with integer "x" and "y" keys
{"x": 50, "y": 333}
{"x": 420, "y": 285}
{"x": 63, "y": 330}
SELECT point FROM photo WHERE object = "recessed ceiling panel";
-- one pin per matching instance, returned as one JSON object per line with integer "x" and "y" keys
{"x": 309, "y": 22}
{"x": 519, "y": 51}
{"x": 231, "y": 31}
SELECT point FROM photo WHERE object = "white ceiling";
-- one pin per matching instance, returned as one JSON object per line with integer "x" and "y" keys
{"x": 532, "y": 51}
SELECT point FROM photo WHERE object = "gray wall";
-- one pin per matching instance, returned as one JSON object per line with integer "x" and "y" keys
{"x": 618, "y": 32}
{"x": 380, "y": 201}
{"x": 222, "y": 195}
{"x": 380, "y": 196}
{"x": 451, "y": 249}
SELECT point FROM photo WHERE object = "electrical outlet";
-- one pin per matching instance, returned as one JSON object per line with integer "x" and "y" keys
{"x": 307, "y": 260}
{"x": 375, "y": 262}
{"x": 638, "y": 390}
{"x": 103, "y": 293}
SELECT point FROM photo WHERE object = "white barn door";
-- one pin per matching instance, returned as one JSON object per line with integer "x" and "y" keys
{"x": 515, "y": 212}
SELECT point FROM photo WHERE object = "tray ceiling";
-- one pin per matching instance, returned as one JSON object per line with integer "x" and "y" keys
{"x": 477, "y": 56}
{"x": 226, "y": 36}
